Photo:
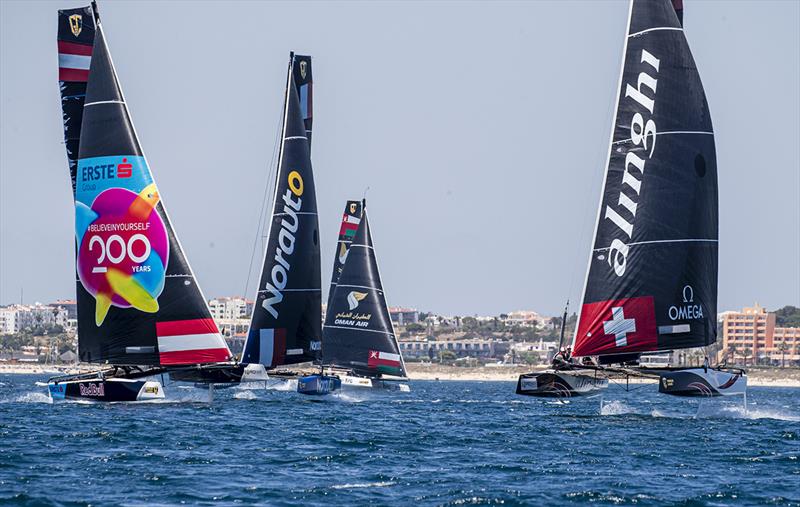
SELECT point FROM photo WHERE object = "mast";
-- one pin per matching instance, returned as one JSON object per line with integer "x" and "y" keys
{"x": 563, "y": 325}
{"x": 652, "y": 277}
{"x": 285, "y": 327}
{"x": 358, "y": 331}
{"x": 138, "y": 300}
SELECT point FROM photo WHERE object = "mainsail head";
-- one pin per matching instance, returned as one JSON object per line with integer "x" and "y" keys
{"x": 652, "y": 277}
{"x": 347, "y": 230}
{"x": 138, "y": 301}
{"x": 287, "y": 317}
{"x": 75, "y": 42}
{"x": 358, "y": 332}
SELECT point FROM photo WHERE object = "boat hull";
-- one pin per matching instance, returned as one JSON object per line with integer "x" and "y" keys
{"x": 318, "y": 385}
{"x": 355, "y": 383}
{"x": 109, "y": 390}
{"x": 699, "y": 382}
{"x": 560, "y": 384}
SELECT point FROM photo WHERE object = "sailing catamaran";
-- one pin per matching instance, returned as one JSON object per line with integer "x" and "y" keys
{"x": 651, "y": 284}
{"x": 140, "y": 309}
{"x": 285, "y": 327}
{"x": 359, "y": 346}
{"x": 318, "y": 384}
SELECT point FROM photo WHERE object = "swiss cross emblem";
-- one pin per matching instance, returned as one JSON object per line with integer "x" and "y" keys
{"x": 615, "y": 326}
{"x": 619, "y": 326}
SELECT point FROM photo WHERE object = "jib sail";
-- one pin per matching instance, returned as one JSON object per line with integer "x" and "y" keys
{"x": 138, "y": 301}
{"x": 286, "y": 324}
{"x": 652, "y": 278}
{"x": 358, "y": 331}
{"x": 347, "y": 230}
{"x": 75, "y": 42}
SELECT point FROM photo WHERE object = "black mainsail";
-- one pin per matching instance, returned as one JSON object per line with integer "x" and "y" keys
{"x": 138, "y": 300}
{"x": 358, "y": 332}
{"x": 347, "y": 230}
{"x": 286, "y": 324}
{"x": 652, "y": 276}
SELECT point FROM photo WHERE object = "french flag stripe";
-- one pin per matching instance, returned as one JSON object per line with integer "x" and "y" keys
{"x": 72, "y": 48}
{"x": 272, "y": 346}
{"x": 186, "y": 327}
{"x": 67, "y": 61}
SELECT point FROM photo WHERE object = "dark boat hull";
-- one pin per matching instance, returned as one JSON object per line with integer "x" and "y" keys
{"x": 317, "y": 385}
{"x": 699, "y": 382}
{"x": 109, "y": 390}
{"x": 216, "y": 374}
{"x": 560, "y": 384}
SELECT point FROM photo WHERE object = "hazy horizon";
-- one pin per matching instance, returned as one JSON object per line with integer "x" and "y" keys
{"x": 480, "y": 129}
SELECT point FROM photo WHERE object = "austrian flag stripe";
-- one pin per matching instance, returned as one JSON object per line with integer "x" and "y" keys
{"x": 190, "y": 342}
{"x": 73, "y": 61}
{"x": 617, "y": 326}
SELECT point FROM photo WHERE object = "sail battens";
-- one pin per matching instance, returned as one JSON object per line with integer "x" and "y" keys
{"x": 314, "y": 213}
{"x": 291, "y": 290}
{"x": 295, "y": 138}
{"x": 98, "y": 102}
{"x": 379, "y": 289}
{"x": 671, "y": 132}
{"x": 662, "y": 241}
{"x": 656, "y": 29}
{"x": 358, "y": 329}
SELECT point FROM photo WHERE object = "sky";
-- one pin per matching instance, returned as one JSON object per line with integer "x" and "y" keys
{"x": 480, "y": 129}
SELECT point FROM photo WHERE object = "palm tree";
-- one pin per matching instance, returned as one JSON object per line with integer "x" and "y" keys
{"x": 746, "y": 353}
{"x": 783, "y": 347}
{"x": 732, "y": 352}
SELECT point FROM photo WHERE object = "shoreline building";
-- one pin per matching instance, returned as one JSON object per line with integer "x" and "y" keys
{"x": 752, "y": 335}
{"x": 404, "y": 316}
{"x": 17, "y": 318}
{"x": 232, "y": 314}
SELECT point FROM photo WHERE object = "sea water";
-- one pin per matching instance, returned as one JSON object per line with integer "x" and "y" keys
{"x": 445, "y": 443}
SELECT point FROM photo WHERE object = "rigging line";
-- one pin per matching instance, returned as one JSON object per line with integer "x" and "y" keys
{"x": 261, "y": 218}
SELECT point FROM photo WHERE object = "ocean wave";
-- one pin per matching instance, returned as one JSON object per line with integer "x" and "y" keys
{"x": 380, "y": 484}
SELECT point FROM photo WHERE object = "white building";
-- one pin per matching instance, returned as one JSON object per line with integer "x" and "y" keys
{"x": 232, "y": 314}
{"x": 525, "y": 318}
{"x": 16, "y": 318}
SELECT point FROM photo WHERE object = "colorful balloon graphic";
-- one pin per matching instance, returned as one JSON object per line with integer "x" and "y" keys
{"x": 123, "y": 250}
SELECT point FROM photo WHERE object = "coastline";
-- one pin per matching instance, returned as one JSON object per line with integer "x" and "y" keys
{"x": 756, "y": 376}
